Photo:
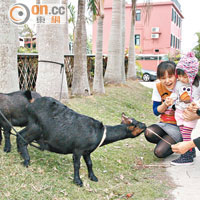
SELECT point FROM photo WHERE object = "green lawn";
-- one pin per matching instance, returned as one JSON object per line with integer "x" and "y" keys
{"x": 125, "y": 169}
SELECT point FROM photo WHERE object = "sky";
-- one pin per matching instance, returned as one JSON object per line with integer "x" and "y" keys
{"x": 190, "y": 24}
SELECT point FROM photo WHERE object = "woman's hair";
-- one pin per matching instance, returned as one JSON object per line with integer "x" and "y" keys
{"x": 168, "y": 66}
{"x": 196, "y": 79}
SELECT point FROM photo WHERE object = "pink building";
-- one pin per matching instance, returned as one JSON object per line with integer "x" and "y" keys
{"x": 159, "y": 35}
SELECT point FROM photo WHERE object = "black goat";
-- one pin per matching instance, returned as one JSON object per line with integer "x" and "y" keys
{"x": 13, "y": 107}
{"x": 59, "y": 129}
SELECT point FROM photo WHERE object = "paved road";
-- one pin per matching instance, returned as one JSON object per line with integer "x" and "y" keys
{"x": 148, "y": 84}
{"x": 187, "y": 178}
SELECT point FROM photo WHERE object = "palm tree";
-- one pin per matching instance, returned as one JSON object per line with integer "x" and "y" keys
{"x": 28, "y": 32}
{"x": 65, "y": 29}
{"x": 80, "y": 83}
{"x": 8, "y": 50}
{"x": 50, "y": 80}
{"x": 196, "y": 49}
{"x": 97, "y": 7}
{"x": 113, "y": 72}
{"x": 131, "y": 73}
{"x": 72, "y": 18}
{"x": 123, "y": 22}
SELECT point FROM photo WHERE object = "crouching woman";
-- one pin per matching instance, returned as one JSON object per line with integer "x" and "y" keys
{"x": 166, "y": 132}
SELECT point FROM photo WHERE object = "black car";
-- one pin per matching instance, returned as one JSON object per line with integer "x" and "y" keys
{"x": 148, "y": 75}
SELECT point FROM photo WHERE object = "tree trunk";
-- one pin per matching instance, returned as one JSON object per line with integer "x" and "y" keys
{"x": 131, "y": 74}
{"x": 38, "y": 30}
{"x": 80, "y": 83}
{"x": 98, "y": 83}
{"x": 123, "y": 23}
{"x": 65, "y": 30}
{"x": 50, "y": 80}
{"x": 8, "y": 50}
{"x": 113, "y": 71}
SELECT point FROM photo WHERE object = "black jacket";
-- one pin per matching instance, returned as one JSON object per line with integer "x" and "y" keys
{"x": 197, "y": 142}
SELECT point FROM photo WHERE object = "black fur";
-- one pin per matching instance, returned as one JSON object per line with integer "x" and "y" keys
{"x": 13, "y": 106}
{"x": 59, "y": 129}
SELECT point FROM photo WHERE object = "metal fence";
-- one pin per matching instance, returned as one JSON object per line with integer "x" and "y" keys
{"x": 28, "y": 69}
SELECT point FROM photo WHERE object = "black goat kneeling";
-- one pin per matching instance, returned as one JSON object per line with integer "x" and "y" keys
{"x": 13, "y": 107}
{"x": 59, "y": 129}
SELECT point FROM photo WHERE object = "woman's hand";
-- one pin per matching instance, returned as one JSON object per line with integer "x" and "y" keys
{"x": 169, "y": 101}
{"x": 182, "y": 147}
{"x": 189, "y": 113}
{"x": 192, "y": 107}
{"x": 163, "y": 107}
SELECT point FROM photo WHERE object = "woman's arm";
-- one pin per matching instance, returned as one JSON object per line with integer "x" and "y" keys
{"x": 163, "y": 107}
{"x": 158, "y": 106}
{"x": 183, "y": 147}
{"x": 155, "y": 107}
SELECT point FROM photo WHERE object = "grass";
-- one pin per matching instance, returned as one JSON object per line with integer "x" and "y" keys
{"x": 121, "y": 167}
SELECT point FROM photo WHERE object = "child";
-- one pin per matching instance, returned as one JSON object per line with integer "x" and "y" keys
{"x": 187, "y": 90}
{"x": 166, "y": 128}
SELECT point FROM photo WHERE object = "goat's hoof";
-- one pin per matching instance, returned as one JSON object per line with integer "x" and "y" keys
{"x": 93, "y": 178}
{"x": 7, "y": 149}
{"x": 26, "y": 163}
{"x": 78, "y": 182}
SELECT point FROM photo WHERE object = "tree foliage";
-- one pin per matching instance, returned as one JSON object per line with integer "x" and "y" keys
{"x": 72, "y": 18}
{"x": 196, "y": 49}
{"x": 28, "y": 32}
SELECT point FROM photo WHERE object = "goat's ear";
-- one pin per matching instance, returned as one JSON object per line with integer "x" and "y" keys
{"x": 123, "y": 114}
{"x": 125, "y": 119}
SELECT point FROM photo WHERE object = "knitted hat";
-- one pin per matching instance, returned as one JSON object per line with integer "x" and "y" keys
{"x": 190, "y": 65}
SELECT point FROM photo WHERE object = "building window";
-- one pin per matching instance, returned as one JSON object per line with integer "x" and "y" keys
{"x": 174, "y": 41}
{"x": 171, "y": 42}
{"x": 178, "y": 44}
{"x": 138, "y": 15}
{"x": 175, "y": 17}
{"x": 172, "y": 14}
{"x": 137, "y": 40}
{"x": 177, "y": 21}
